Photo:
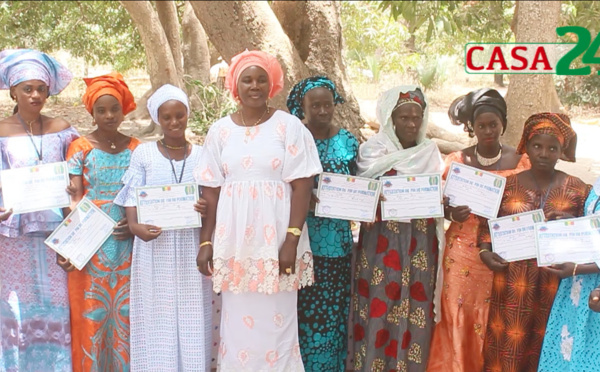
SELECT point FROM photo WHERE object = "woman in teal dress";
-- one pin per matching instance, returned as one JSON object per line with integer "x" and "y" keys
{"x": 324, "y": 307}
{"x": 573, "y": 330}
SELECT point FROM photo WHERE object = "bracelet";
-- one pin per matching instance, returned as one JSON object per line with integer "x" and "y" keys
{"x": 294, "y": 231}
{"x": 575, "y": 270}
{"x": 483, "y": 250}
{"x": 452, "y": 218}
{"x": 208, "y": 242}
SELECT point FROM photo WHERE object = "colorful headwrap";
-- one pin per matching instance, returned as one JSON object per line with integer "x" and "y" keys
{"x": 464, "y": 109}
{"x": 553, "y": 124}
{"x": 294, "y": 101}
{"x": 110, "y": 84}
{"x": 258, "y": 58}
{"x": 19, "y": 65}
{"x": 414, "y": 97}
{"x": 163, "y": 94}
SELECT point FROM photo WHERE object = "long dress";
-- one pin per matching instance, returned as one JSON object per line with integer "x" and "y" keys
{"x": 573, "y": 330}
{"x": 393, "y": 305}
{"x": 523, "y": 294}
{"x": 170, "y": 301}
{"x": 34, "y": 303}
{"x": 458, "y": 337}
{"x": 254, "y": 168}
{"x": 323, "y": 307}
{"x": 99, "y": 294}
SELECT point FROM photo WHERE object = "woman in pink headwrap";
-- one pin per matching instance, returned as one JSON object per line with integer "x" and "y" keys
{"x": 256, "y": 174}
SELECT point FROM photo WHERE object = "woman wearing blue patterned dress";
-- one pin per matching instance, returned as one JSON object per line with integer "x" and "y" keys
{"x": 571, "y": 340}
{"x": 323, "y": 308}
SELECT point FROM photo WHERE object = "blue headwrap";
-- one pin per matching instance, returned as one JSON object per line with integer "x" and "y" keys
{"x": 294, "y": 101}
{"x": 19, "y": 65}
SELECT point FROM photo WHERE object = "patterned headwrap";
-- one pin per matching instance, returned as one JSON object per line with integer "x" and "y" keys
{"x": 163, "y": 94}
{"x": 19, "y": 65}
{"x": 464, "y": 109}
{"x": 553, "y": 124}
{"x": 246, "y": 59}
{"x": 414, "y": 97}
{"x": 110, "y": 84}
{"x": 294, "y": 101}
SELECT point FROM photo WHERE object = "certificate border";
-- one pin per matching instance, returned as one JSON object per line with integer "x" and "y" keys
{"x": 179, "y": 227}
{"x": 54, "y": 247}
{"x": 494, "y": 220}
{"x": 30, "y": 210}
{"x": 497, "y": 207}
{"x": 318, "y": 214}
{"x": 439, "y": 175}
{"x": 537, "y": 243}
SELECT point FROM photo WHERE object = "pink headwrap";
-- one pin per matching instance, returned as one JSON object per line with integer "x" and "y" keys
{"x": 258, "y": 58}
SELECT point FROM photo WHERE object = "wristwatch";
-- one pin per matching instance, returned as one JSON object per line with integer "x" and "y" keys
{"x": 294, "y": 231}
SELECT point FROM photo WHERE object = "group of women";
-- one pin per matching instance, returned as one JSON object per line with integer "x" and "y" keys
{"x": 423, "y": 299}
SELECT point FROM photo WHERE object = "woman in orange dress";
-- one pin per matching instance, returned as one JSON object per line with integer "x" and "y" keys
{"x": 523, "y": 293}
{"x": 467, "y": 282}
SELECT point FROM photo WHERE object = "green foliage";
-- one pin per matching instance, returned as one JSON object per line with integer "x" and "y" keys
{"x": 431, "y": 72}
{"x": 101, "y": 32}
{"x": 210, "y": 104}
{"x": 579, "y": 90}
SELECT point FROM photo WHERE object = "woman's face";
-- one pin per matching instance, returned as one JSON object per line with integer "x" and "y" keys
{"x": 107, "y": 113}
{"x": 172, "y": 117}
{"x": 487, "y": 128}
{"x": 544, "y": 151}
{"x": 318, "y": 107}
{"x": 30, "y": 95}
{"x": 253, "y": 87}
{"x": 407, "y": 120}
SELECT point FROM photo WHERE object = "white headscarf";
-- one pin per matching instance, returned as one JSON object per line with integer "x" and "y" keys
{"x": 383, "y": 152}
{"x": 163, "y": 94}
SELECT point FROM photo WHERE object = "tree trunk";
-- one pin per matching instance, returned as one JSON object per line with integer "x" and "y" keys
{"x": 167, "y": 15}
{"x": 529, "y": 94}
{"x": 196, "y": 56}
{"x": 161, "y": 66}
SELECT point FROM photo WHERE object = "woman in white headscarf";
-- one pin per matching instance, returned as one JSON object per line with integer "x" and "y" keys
{"x": 170, "y": 305}
{"x": 397, "y": 261}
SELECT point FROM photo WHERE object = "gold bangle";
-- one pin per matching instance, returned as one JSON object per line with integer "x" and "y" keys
{"x": 208, "y": 242}
{"x": 294, "y": 231}
{"x": 575, "y": 270}
{"x": 483, "y": 250}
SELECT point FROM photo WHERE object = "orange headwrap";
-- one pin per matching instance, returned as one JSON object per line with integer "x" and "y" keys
{"x": 110, "y": 84}
{"x": 553, "y": 124}
{"x": 258, "y": 58}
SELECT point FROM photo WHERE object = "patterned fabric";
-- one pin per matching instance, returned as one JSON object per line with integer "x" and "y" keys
{"x": 110, "y": 84}
{"x": 458, "y": 337}
{"x": 19, "y": 65}
{"x": 294, "y": 101}
{"x": 254, "y": 168}
{"x": 396, "y": 271}
{"x": 323, "y": 310}
{"x": 556, "y": 125}
{"x": 573, "y": 330}
{"x": 170, "y": 301}
{"x": 99, "y": 294}
{"x": 523, "y": 294}
{"x": 163, "y": 94}
{"x": 34, "y": 306}
{"x": 249, "y": 58}
{"x": 464, "y": 109}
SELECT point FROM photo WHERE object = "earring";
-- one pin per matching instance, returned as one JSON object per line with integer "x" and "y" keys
{"x": 267, "y": 106}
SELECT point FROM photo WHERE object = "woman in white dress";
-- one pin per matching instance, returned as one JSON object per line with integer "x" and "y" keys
{"x": 257, "y": 170}
{"x": 170, "y": 312}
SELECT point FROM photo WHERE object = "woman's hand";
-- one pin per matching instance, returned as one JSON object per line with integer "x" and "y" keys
{"x": 201, "y": 206}
{"x": 558, "y": 215}
{"x": 71, "y": 189}
{"x": 594, "y": 300}
{"x": 313, "y": 202}
{"x": 459, "y": 214}
{"x": 204, "y": 260}
{"x": 64, "y": 263}
{"x": 563, "y": 270}
{"x": 287, "y": 255}
{"x": 121, "y": 231}
{"x": 145, "y": 232}
{"x": 493, "y": 261}
{"x": 4, "y": 214}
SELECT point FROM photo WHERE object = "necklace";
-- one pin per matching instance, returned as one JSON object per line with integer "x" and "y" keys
{"x": 255, "y": 124}
{"x": 171, "y": 161}
{"x": 173, "y": 147}
{"x": 40, "y": 153}
{"x": 112, "y": 144}
{"x": 486, "y": 162}
{"x": 543, "y": 198}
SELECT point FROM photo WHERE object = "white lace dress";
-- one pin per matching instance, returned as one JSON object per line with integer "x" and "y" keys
{"x": 254, "y": 168}
{"x": 170, "y": 306}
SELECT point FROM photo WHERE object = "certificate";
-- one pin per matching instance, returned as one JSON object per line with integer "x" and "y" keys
{"x": 82, "y": 233}
{"x": 513, "y": 237}
{"x": 347, "y": 197}
{"x": 572, "y": 240}
{"x": 37, "y": 188}
{"x": 170, "y": 207}
{"x": 479, "y": 190}
{"x": 412, "y": 197}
